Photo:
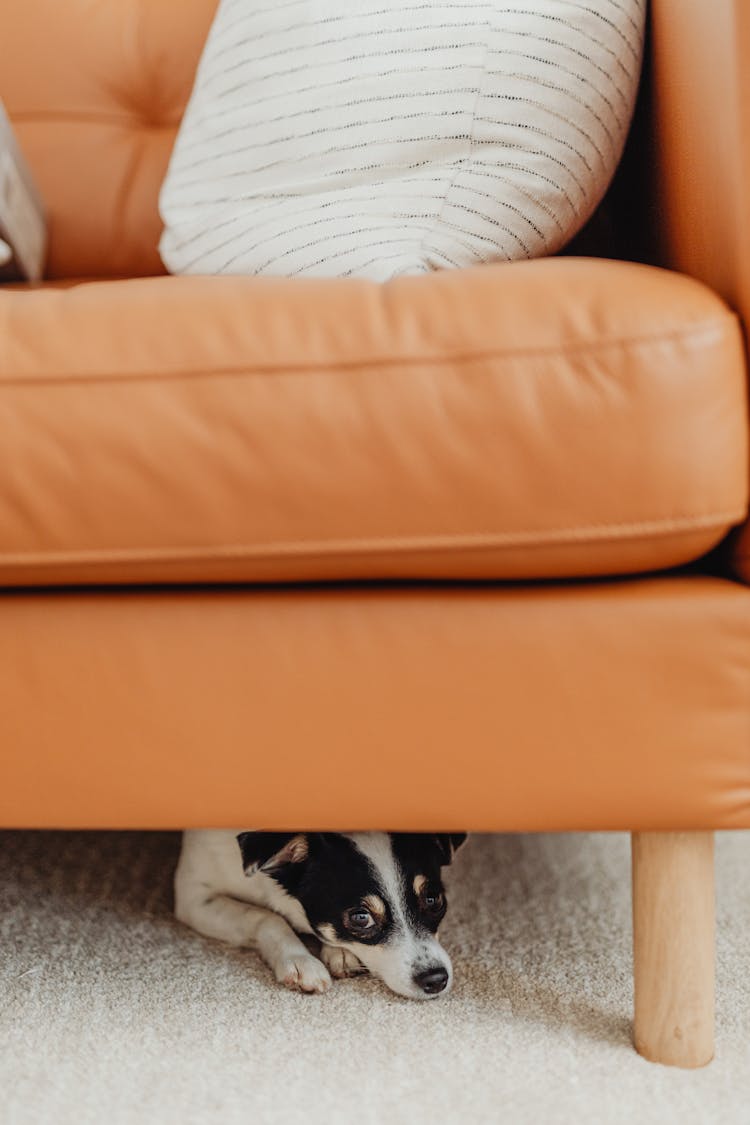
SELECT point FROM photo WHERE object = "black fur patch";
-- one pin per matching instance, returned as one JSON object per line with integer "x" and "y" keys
{"x": 421, "y": 853}
{"x": 336, "y": 877}
{"x": 259, "y": 847}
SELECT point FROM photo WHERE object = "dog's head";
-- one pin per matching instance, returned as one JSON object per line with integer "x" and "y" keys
{"x": 377, "y": 894}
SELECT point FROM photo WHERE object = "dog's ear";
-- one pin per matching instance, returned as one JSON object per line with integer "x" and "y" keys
{"x": 268, "y": 851}
{"x": 448, "y": 844}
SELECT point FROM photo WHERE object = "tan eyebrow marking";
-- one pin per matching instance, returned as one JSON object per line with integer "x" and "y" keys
{"x": 376, "y": 906}
{"x": 419, "y": 883}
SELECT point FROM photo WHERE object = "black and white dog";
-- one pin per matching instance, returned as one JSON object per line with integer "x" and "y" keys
{"x": 374, "y": 900}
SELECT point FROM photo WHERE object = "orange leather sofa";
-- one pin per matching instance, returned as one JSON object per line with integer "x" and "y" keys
{"x": 443, "y": 554}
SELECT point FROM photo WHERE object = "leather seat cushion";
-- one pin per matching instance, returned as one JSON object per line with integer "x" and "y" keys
{"x": 563, "y": 417}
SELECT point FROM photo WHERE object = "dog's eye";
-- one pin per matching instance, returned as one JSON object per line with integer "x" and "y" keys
{"x": 433, "y": 903}
{"x": 359, "y": 920}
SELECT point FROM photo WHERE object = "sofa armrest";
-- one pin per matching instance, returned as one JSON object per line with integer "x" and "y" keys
{"x": 697, "y": 93}
{"x": 700, "y": 124}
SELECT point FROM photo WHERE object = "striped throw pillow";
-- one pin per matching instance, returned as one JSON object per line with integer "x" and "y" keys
{"x": 374, "y": 138}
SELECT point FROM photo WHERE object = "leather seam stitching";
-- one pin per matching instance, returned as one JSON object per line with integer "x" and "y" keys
{"x": 383, "y": 544}
{"x": 290, "y": 368}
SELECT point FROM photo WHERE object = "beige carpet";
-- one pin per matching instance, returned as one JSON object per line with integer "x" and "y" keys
{"x": 111, "y": 1012}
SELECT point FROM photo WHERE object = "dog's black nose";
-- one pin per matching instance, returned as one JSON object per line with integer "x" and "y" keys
{"x": 432, "y": 980}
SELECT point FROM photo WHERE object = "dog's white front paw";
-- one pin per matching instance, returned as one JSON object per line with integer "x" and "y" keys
{"x": 340, "y": 962}
{"x": 303, "y": 973}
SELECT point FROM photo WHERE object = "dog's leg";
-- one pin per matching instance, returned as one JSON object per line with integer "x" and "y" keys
{"x": 340, "y": 962}
{"x": 241, "y": 923}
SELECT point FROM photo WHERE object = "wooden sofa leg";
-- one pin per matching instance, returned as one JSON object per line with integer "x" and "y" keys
{"x": 673, "y": 946}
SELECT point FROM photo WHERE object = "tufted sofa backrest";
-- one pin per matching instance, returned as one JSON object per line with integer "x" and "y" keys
{"x": 95, "y": 90}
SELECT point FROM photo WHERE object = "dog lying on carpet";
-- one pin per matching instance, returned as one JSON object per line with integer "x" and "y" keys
{"x": 374, "y": 900}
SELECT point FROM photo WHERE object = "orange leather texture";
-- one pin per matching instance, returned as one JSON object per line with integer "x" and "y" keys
{"x": 541, "y": 419}
{"x": 615, "y": 705}
{"x": 700, "y": 118}
{"x": 557, "y": 418}
{"x": 95, "y": 92}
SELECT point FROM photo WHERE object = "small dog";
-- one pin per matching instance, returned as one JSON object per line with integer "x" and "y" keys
{"x": 374, "y": 900}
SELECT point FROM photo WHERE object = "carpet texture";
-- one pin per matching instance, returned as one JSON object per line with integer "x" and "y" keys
{"x": 111, "y": 1012}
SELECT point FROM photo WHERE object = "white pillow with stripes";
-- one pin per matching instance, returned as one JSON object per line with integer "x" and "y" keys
{"x": 375, "y": 138}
